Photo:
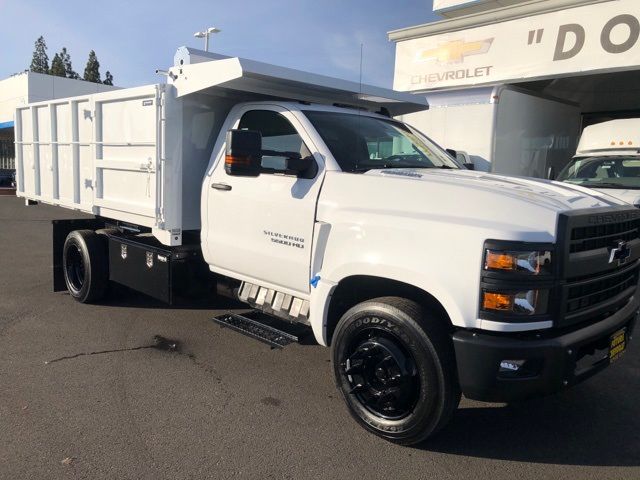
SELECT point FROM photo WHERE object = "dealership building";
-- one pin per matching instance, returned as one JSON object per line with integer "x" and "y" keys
{"x": 513, "y": 82}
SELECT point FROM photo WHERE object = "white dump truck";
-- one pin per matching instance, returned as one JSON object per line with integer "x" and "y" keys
{"x": 608, "y": 159}
{"x": 302, "y": 197}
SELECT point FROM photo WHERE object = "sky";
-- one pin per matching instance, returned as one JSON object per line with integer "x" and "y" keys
{"x": 133, "y": 38}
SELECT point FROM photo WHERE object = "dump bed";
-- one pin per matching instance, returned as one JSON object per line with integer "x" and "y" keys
{"x": 101, "y": 154}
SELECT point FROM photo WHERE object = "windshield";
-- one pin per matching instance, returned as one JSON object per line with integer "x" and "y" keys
{"x": 360, "y": 143}
{"x": 603, "y": 172}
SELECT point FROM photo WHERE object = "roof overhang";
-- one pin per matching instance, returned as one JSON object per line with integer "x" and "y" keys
{"x": 499, "y": 15}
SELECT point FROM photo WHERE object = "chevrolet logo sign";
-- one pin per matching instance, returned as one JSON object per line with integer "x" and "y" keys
{"x": 455, "y": 51}
{"x": 620, "y": 252}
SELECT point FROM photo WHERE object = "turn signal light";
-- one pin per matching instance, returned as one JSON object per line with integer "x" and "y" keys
{"x": 499, "y": 261}
{"x": 236, "y": 160}
{"x": 497, "y": 301}
{"x": 527, "y": 302}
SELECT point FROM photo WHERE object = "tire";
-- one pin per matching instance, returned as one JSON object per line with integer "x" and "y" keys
{"x": 86, "y": 265}
{"x": 395, "y": 367}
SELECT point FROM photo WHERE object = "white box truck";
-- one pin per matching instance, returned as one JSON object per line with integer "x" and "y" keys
{"x": 503, "y": 129}
{"x": 608, "y": 159}
{"x": 301, "y": 197}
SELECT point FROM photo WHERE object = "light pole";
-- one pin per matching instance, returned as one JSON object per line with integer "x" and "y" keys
{"x": 205, "y": 34}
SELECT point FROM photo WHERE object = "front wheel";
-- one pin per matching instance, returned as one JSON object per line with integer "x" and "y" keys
{"x": 395, "y": 366}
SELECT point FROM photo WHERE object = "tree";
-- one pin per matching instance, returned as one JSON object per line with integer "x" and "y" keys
{"x": 40, "y": 60}
{"x": 66, "y": 61}
{"x": 92, "y": 70}
{"x": 57, "y": 67}
{"x": 108, "y": 78}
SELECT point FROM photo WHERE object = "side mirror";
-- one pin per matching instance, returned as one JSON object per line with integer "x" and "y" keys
{"x": 551, "y": 173}
{"x": 469, "y": 166}
{"x": 244, "y": 153}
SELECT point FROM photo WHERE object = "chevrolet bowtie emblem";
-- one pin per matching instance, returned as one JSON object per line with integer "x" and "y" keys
{"x": 455, "y": 51}
{"x": 620, "y": 252}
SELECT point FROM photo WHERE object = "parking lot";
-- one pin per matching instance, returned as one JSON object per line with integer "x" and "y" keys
{"x": 225, "y": 406}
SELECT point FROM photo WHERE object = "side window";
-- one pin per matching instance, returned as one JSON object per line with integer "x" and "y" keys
{"x": 277, "y": 134}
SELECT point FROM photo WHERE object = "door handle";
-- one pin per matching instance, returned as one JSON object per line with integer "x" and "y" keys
{"x": 221, "y": 186}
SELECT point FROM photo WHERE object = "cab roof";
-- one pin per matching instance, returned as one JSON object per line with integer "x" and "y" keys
{"x": 622, "y": 136}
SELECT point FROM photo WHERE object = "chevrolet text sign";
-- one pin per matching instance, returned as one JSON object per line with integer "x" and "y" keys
{"x": 600, "y": 37}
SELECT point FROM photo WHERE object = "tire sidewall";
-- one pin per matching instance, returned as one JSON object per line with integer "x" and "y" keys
{"x": 76, "y": 241}
{"x": 429, "y": 408}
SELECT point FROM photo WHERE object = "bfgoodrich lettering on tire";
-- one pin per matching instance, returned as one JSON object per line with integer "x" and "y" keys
{"x": 395, "y": 366}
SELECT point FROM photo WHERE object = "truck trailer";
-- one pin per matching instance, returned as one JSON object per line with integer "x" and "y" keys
{"x": 302, "y": 197}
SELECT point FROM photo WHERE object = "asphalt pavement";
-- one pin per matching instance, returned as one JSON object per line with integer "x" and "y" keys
{"x": 226, "y": 406}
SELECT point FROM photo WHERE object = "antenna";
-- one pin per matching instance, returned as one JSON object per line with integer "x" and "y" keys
{"x": 359, "y": 98}
{"x": 361, "y": 55}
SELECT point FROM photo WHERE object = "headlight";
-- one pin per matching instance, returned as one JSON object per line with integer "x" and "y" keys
{"x": 527, "y": 262}
{"x": 528, "y": 302}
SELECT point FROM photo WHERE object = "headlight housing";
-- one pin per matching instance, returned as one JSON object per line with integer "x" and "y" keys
{"x": 526, "y": 302}
{"x": 518, "y": 281}
{"x": 528, "y": 262}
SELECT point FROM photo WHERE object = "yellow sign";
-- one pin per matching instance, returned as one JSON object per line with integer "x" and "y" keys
{"x": 618, "y": 345}
{"x": 455, "y": 51}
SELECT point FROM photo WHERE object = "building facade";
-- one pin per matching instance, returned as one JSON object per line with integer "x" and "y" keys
{"x": 578, "y": 60}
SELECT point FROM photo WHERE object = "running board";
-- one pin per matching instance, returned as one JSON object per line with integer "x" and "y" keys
{"x": 272, "y": 302}
{"x": 252, "y": 328}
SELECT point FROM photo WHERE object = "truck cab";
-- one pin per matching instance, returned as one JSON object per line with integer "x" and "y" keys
{"x": 608, "y": 160}
{"x": 532, "y": 283}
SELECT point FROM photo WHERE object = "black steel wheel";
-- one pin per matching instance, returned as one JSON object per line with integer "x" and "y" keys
{"x": 395, "y": 367}
{"x": 382, "y": 374}
{"x": 85, "y": 265}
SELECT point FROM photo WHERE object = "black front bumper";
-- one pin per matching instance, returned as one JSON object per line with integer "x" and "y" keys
{"x": 552, "y": 362}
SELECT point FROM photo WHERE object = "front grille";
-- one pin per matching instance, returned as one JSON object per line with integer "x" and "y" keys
{"x": 596, "y": 284}
{"x": 589, "y": 293}
{"x": 601, "y": 236}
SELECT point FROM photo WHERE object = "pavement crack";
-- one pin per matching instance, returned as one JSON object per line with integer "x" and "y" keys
{"x": 159, "y": 343}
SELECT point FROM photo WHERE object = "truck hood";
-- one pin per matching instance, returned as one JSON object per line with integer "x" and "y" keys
{"x": 631, "y": 196}
{"x": 556, "y": 196}
{"x": 509, "y": 208}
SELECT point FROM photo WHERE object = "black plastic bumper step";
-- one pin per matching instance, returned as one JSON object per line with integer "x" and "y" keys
{"x": 255, "y": 329}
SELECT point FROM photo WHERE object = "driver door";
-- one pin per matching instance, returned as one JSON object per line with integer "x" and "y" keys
{"x": 260, "y": 229}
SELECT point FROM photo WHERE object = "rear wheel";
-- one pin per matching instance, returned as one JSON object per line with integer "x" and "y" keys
{"x": 395, "y": 367}
{"x": 86, "y": 268}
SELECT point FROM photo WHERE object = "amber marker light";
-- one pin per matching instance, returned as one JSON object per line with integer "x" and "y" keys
{"x": 499, "y": 261}
{"x": 234, "y": 160}
{"x": 497, "y": 301}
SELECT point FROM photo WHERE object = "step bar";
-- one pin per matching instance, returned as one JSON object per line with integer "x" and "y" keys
{"x": 257, "y": 330}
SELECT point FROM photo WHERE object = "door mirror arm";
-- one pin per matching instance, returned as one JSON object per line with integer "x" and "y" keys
{"x": 296, "y": 164}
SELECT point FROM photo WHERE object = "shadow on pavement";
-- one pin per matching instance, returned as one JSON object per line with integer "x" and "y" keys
{"x": 586, "y": 426}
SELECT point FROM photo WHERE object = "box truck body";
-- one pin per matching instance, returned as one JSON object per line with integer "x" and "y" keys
{"x": 504, "y": 129}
